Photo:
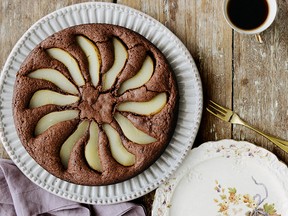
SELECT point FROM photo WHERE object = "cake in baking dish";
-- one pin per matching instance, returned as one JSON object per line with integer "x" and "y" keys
{"x": 95, "y": 104}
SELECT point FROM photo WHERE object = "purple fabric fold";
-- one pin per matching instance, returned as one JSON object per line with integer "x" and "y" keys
{"x": 19, "y": 196}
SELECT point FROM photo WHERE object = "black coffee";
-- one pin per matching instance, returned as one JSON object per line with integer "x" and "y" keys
{"x": 247, "y": 14}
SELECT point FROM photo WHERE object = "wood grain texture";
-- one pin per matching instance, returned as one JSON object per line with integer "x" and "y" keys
{"x": 260, "y": 83}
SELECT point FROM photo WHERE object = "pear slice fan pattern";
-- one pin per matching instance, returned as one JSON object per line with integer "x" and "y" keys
{"x": 72, "y": 89}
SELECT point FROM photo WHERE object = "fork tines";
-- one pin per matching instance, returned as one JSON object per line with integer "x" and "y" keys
{"x": 219, "y": 111}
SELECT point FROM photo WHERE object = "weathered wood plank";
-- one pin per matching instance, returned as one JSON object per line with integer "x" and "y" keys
{"x": 210, "y": 45}
{"x": 260, "y": 83}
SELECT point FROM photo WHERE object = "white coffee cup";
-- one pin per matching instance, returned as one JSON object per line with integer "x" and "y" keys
{"x": 272, "y": 11}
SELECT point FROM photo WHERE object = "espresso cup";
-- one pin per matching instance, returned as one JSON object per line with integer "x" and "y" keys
{"x": 250, "y": 16}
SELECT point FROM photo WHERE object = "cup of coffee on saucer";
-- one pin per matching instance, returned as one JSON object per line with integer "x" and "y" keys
{"x": 250, "y": 16}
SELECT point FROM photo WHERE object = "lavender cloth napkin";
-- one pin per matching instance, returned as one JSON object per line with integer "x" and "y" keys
{"x": 19, "y": 196}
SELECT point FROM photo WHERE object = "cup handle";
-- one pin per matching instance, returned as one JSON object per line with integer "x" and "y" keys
{"x": 259, "y": 38}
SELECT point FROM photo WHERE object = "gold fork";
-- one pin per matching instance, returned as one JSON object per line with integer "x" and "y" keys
{"x": 230, "y": 116}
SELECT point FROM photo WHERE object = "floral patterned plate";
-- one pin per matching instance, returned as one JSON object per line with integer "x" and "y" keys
{"x": 226, "y": 178}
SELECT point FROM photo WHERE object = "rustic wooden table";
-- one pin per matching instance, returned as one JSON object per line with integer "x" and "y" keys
{"x": 236, "y": 70}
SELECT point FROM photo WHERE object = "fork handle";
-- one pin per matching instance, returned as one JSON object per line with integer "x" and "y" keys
{"x": 280, "y": 143}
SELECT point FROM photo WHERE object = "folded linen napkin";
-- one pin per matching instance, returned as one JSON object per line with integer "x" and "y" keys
{"x": 19, "y": 196}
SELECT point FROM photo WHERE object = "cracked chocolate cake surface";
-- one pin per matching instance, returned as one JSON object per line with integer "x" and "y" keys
{"x": 37, "y": 113}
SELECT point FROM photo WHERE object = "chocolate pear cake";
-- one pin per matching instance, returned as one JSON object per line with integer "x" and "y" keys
{"x": 95, "y": 104}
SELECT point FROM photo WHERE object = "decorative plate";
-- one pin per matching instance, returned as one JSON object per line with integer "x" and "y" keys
{"x": 226, "y": 178}
{"x": 190, "y": 105}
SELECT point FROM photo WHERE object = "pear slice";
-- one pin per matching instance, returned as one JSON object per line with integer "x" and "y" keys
{"x": 69, "y": 62}
{"x": 56, "y": 78}
{"x": 120, "y": 58}
{"x": 94, "y": 58}
{"x": 53, "y": 118}
{"x": 119, "y": 153}
{"x": 142, "y": 76}
{"x": 131, "y": 132}
{"x": 68, "y": 145}
{"x": 44, "y": 97}
{"x": 91, "y": 149}
{"x": 145, "y": 108}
